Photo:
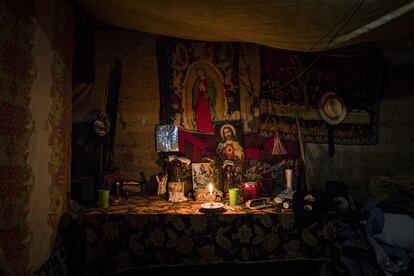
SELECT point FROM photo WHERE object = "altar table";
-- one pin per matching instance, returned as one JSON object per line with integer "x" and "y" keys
{"x": 148, "y": 232}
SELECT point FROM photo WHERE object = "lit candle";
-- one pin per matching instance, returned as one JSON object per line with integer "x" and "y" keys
{"x": 210, "y": 187}
{"x": 249, "y": 192}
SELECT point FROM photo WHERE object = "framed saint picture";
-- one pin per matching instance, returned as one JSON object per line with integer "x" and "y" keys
{"x": 230, "y": 136}
{"x": 202, "y": 174}
{"x": 166, "y": 138}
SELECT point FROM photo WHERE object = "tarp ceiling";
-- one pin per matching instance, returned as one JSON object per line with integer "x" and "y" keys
{"x": 307, "y": 25}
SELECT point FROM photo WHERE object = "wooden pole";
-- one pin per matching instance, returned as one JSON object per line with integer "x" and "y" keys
{"x": 302, "y": 153}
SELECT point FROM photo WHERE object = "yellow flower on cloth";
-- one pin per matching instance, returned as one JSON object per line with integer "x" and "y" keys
{"x": 244, "y": 234}
{"x": 110, "y": 231}
{"x": 185, "y": 245}
{"x": 157, "y": 238}
{"x": 199, "y": 224}
{"x": 135, "y": 245}
{"x": 221, "y": 238}
{"x": 270, "y": 242}
{"x": 308, "y": 238}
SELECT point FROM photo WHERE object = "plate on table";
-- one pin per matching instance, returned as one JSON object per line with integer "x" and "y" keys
{"x": 212, "y": 207}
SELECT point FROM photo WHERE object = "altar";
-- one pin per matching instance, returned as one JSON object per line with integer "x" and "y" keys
{"x": 149, "y": 231}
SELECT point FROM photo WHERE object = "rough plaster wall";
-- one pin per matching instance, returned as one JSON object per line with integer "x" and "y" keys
{"x": 138, "y": 108}
{"x": 394, "y": 154}
{"x": 139, "y": 112}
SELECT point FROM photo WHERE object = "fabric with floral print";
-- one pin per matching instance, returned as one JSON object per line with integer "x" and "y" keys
{"x": 147, "y": 232}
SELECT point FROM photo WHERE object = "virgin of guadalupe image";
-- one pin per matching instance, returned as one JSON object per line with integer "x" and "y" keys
{"x": 204, "y": 96}
{"x": 230, "y": 148}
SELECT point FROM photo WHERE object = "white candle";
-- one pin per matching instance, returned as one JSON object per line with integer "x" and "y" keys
{"x": 210, "y": 187}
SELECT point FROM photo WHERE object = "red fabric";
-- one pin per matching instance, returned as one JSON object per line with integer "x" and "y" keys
{"x": 268, "y": 144}
{"x": 199, "y": 144}
{"x": 253, "y": 153}
{"x": 292, "y": 149}
{"x": 202, "y": 110}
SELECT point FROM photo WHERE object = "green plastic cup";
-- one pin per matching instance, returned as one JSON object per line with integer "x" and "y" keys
{"x": 234, "y": 196}
{"x": 103, "y": 198}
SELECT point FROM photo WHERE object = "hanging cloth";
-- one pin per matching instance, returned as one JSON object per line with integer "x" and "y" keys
{"x": 277, "y": 148}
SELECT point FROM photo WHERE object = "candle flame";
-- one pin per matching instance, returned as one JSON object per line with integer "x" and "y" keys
{"x": 210, "y": 187}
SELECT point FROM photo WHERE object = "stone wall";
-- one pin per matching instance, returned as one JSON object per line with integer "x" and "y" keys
{"x": 138, "y": 107}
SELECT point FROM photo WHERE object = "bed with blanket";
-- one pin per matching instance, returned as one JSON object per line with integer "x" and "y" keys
{"x": 375, "y": 230}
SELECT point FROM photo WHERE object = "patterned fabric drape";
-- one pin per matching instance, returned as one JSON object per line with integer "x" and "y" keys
{"x": 356, "y": 74}
{"x": 148, "y": 232}
{"x": 16, "y": 128}
{"x": 36, "y": 46}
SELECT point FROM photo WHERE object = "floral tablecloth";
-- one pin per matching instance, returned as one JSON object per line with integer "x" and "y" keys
{"x": 148, "y": 232}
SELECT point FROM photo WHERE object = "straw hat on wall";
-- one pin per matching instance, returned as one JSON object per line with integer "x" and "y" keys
{"x": 332, "y": 108}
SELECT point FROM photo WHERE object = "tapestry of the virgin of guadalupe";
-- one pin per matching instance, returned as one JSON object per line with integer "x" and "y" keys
{"x": 294, "y": 83}
{"x": 198, "y": 83}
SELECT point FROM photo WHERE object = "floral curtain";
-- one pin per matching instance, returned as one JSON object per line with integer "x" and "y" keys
{"x": 36, "y": 46}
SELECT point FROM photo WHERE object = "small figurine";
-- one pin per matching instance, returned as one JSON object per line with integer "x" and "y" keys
{"x": 162, "y": 184}
{"x": 176, "y": 192}
{"x": 228, "y": 180}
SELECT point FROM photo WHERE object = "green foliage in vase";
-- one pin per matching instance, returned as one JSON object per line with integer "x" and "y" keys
{"x": 255, "y": 172}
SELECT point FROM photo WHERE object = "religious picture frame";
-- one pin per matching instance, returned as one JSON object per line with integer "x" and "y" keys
{"x": 202, "y": 174}
{"x": 230, "y": 144}
{"x": 166, "y": 138}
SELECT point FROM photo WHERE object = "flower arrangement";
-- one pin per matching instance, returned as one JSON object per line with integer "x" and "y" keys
{"x": 255, "y": 172}
{"x": 179, "y": 171}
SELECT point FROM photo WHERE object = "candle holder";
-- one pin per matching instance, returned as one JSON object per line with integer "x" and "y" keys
{"x": 250, "y": 190}
{"x": 210, "y": 197}
{"x": 211, "y": 205}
